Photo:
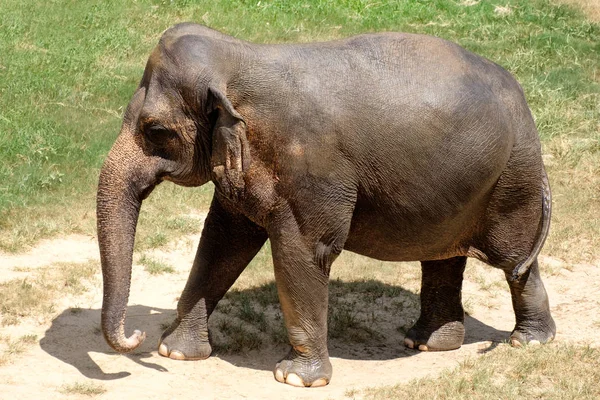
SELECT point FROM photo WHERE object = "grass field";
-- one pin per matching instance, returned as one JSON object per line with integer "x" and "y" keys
{"x": 65, "y": 78}
{"x": 68, "y": 68}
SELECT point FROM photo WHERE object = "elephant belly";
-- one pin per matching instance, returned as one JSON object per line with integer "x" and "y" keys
{"x": 393, "y": 233}
{"x": 424, "y": 199}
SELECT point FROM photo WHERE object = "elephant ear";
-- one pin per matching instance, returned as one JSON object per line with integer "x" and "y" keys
{"x": 230, "y": 156}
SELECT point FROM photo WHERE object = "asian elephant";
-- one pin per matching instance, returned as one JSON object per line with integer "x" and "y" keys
{"x": 400, "y": 147}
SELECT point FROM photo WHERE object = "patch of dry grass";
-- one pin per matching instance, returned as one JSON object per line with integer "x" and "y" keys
{"x": 36, "y": 295}
{"x": 88, "y": 388}
{"x": 554, "y": 371}
{"x": 574, "y": 173}
{"x": 590, "y": 8}
{"x": 22, "y": 298}
{"x": 13, "y": 347}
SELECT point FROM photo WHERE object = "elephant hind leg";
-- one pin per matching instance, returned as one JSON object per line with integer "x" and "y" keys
{"x": 512, "y": 231}
{"x": 534, "y": 323}
{"x": 441, "y": 323}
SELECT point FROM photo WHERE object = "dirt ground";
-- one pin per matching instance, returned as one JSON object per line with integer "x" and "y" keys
{"x": 71, "y": 350}
{"x": 591, "y": 8}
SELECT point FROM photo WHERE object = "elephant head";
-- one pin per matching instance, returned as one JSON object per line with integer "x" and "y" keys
{"x": 179, "y": 126}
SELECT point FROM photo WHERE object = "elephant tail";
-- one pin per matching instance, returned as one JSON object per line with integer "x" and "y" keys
{"x": 542, "y": 233}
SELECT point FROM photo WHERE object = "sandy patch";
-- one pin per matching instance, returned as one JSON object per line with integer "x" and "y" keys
{"x": 71, "y": 348}
{"x": 590, "y": 8}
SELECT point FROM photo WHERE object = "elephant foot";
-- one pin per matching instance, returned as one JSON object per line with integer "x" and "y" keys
{"x": 533, "y": 334}
{"x": 449, "y": 336}
{"x": 182, "y": 343}
{"x": 300, "y": 370}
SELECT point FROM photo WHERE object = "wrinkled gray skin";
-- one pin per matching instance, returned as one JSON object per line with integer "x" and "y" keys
{"x": 396, "y": 146}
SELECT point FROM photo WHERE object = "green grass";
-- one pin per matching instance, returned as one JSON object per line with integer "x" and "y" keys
{"x": 154, "y": 266}
{"x": 66, "y": 77}
{"x": 555, "y": 371}
{"x": 248, "y": 313}
{"x": 237, "y": 337}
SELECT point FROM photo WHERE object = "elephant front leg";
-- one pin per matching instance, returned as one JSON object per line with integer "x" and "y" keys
{"x": 302, "y": 265}
{"x": 441, "y": 323}
{"x": 229, "y": 242}
{"x": 303, "y": 294}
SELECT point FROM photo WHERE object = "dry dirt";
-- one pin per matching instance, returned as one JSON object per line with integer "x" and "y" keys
{"x": 71, "y": 350}
{"x": 590, "y": 8}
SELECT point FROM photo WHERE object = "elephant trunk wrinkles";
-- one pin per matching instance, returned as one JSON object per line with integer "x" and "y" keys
{"x": 126, "y": 178}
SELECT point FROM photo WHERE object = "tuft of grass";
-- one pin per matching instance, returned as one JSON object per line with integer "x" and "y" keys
{"x": 265, "y": 295}
{"x": 237, "y": 338}
{"x": 183, "y": 225}
{"x": 343, "y": 322}
{"x": 12, "y": 348}
{"x": 468, "y": 305}
{"x": 15, "y": 347}
{"x": 84, "y": 388}
{"x": 368, "y": 311}
{"x": 73, "y": 275}
{"x": 247, "y": 313}
{"x": 28, "y": 339}
{"x": 154, "y": 240}
{"x": 553, "y": 371}
{"x": 254, "y": 310}
{"x": 20, "y": 298}
{"x": 278, "y": 333}
{"x": 154, "y": 266}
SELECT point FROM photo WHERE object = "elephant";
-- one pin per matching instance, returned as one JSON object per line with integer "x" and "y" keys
{"x": 395, "y": 146}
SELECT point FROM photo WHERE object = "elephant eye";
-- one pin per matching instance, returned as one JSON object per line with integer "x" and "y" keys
{"x": 158, "y": 135}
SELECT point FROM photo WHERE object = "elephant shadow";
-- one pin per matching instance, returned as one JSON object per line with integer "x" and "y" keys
{"x": 367, "y": 321}
{"x": 75, "y": 335}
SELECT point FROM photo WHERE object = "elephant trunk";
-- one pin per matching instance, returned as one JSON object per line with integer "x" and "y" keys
{"x": 126, "y": 178}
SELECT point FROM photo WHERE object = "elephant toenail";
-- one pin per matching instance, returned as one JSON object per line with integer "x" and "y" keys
{"x": 294, "y": 380}
{"x": 177, "y": 355}
{"x": 163, "y": 350}
{"x": 279, "y": 376}
{"x": 319, "y": 383}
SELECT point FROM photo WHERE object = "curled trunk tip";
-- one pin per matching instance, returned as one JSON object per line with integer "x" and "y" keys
{"x": 123, "y": 344}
